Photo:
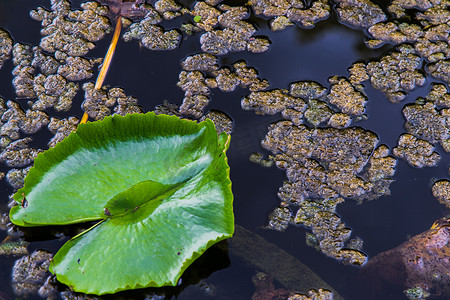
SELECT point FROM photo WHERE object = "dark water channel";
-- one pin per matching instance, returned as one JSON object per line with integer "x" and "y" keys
{"x": 295, "y": 54}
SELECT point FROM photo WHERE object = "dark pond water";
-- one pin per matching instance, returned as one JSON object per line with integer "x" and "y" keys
{"x": 295, "y": 54}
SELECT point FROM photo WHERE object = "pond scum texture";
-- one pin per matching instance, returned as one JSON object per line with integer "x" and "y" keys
{"x": 326, "y": 160}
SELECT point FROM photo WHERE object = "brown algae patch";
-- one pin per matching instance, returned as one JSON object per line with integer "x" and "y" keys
{"x": 200, "y": 62}
{"x": 18, "y": 154}
{"x": 428, "y": 123}
{"x": 53, "y": 87}
{"x": 98, "y": 103}
{"x": 272, "y": 102}
{"x": 15, "y": 119}
{"x": 72, "y": 32}
{"x": 221, "y": 120}
{"x": 319, "y": 176}
{"x": 235, "y": 34}
{"x": 53, "y": 91}
{"x": 30, "y": 273}
{"x": 293, "y": 11}
{"x": 6, "y": 44}
{"x": 153, "y": 36}
{"x": 359, "y": 13}
{"x": 418, "y": 153}
{"x": 441, "y": 191}
{"x": 16, "y": 177}
{"x": 202, "y": 72}
{"x": 397, "y": 73}
{"x": 61, "y": 128}
{"x": 23, "y": 72}
{"x": 349, "y": 100}
{"x": 439, "y": 95}
{"x": 208, "y": 14}
{"x": 259, "y": 159}
{"x": 169, "y": 9}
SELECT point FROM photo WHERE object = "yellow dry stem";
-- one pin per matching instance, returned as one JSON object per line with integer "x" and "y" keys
{"x": 106, "y": 62}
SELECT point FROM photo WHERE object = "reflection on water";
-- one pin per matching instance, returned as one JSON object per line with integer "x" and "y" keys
{"x": 295, "y": 54}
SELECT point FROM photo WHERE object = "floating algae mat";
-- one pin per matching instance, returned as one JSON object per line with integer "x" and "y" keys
{"x": 339, "y": 119}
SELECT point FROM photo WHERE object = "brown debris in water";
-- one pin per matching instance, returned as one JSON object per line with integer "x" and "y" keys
{"x": 46, "y": 63}
{"x": 358, "y": 74}
{"x": 399, "y": 7}
{"x": 379, "y": 172}
{"x": 52, "y": 86}
{"x": 99, "y": 102}
{"x": 280, "y": 218}
{"x": 77, "y": 68}
{"x": 265, "y": 290}
{"x": 167, "y": 108}
{"x": 192, "y": 83}
{"x": 226, "y": 80}
{"x": 440, "y": 70}
{"x": 329, "y": 235}
{"x": 125, "y": 104}
{"x": 435, "y": 15}
{"x": 394, "y": 32}
{"x": 356, "y": 144}
{"x": 248, "y": 77}
{"x": 196, "y": 93}
{"x": 14, "y": 248}
{"x": 421, "y": 263}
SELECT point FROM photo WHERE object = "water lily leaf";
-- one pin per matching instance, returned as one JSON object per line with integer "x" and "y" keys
{"x": 158, "y": 185}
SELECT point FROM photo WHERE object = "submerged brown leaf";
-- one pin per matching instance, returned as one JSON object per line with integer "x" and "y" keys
{"x": 125, "y": 8}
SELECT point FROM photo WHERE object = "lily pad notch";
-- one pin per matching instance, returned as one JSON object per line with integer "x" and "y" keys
{"x": 158, "y": 186}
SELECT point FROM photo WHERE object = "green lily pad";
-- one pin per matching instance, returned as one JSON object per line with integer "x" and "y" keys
{"x": 158, "y": 185}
